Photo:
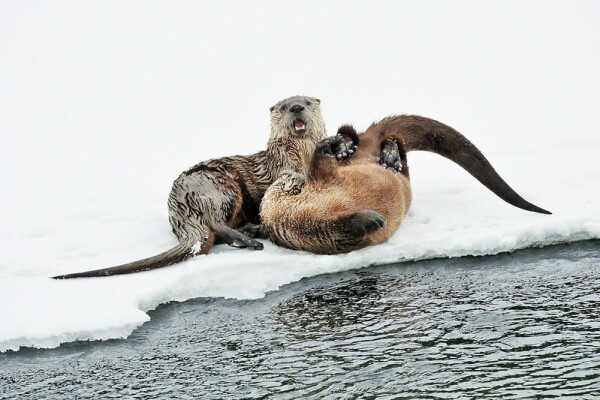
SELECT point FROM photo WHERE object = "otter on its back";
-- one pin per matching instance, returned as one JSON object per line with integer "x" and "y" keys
{"x": 353, "y": 202}
{"x": 338, "y": 207}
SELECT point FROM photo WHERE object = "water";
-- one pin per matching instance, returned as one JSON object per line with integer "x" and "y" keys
{"x": 522, "y": 325}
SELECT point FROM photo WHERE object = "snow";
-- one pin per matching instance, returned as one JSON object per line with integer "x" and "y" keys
{"x": 196, "y": 248}
{"x": 103, "y": 104}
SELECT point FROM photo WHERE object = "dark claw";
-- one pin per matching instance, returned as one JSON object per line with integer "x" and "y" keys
{"x": 237, "y": 239}
{"x": 250, "y": 244}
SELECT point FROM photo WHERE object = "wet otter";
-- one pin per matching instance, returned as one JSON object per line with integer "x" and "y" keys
{"x": 348, "y": 201}
{"x": 213, "y": 198}
{"x": 339, "y": 207}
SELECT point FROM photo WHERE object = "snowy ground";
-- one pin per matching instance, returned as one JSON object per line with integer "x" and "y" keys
{"x": 102, "y": 105}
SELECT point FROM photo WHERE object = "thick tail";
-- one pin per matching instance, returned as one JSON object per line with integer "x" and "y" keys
{"x": 420, "y": 133}
{"x": 183, "y": 251}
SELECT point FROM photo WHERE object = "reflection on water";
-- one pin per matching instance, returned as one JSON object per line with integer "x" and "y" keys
{"x": 524, "y": 325}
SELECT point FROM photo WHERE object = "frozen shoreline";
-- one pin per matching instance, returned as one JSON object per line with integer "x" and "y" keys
{"x": 40, "y": 312}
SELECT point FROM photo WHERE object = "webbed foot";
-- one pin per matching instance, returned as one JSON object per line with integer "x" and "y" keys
{"x": 391, "y": 156}
{"x": 237, "y": 239}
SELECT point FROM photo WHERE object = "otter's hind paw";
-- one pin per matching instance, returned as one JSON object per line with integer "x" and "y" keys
{"x": 390, "y": 157}
{"x": 361, "y": 223}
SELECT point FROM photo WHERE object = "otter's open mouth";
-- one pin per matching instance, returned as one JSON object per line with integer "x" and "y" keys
{"x": 299, "y": 126}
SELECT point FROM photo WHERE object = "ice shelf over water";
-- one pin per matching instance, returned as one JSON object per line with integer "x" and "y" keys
{"x": 460, "y": 218}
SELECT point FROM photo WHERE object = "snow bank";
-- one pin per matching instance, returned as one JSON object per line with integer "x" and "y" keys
{"x": 460, "y": 219}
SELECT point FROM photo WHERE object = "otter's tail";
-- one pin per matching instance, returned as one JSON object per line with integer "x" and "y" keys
{"x": 183, "y": 251}
{"x": 420, "y": 133}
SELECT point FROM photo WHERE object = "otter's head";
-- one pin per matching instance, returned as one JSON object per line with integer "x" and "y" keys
{"x": 298, "y": 116}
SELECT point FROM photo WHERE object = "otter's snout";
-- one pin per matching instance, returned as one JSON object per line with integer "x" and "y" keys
{"x": 296, "y": 108}
{"x": 298, "y": 124}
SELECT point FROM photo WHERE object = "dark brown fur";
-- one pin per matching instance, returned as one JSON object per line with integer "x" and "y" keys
{"x": 420, "y": 133}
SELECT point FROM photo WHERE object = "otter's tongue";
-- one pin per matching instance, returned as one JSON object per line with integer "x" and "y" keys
{"x": 299, "y": 124}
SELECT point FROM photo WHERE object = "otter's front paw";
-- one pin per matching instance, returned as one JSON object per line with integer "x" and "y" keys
{"x": 324, "y": 146}
{"x": 292, "y": 182}
{"x": 345, "y": 143}
{"x": 344, "y": 147}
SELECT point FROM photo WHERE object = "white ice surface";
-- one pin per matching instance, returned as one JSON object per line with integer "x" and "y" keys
{"x": 103, "y": 105}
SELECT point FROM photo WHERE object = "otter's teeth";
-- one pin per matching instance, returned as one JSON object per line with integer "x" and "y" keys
{"x": 299, "y": 125}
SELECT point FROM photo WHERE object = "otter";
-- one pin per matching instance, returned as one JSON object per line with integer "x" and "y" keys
{"x": 212, "y": 199}
{"x": 339, "y": 207}
{"x": 348, "y": 201}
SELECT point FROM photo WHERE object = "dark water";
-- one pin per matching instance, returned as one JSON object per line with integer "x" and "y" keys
{"x": 524, "y": 325}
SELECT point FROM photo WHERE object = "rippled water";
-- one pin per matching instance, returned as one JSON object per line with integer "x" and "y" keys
{"x": 524, "y": 325}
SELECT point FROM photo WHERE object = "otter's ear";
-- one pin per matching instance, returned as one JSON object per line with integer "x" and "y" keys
{"x": 318, "y": 101}
{"x": 271, "y": 109}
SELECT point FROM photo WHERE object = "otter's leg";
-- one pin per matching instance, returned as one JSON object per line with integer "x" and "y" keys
{"x": 393, "y": 157}
{"x": 323, "y": 164}
{"x": 237, "y": 239}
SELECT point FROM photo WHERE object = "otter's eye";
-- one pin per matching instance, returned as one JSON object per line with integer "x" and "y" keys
{"x": 283, "y": 107}
{"x": 308, "y": 103}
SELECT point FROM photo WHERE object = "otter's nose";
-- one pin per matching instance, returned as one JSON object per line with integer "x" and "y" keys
{"x": 296, "y": 108}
